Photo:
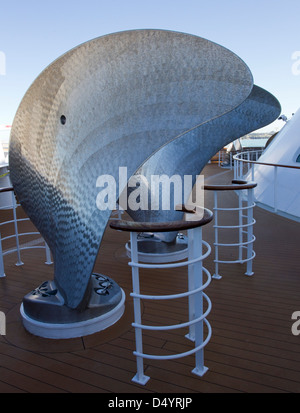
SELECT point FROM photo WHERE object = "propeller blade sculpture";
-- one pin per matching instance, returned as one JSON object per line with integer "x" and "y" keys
{"x": 153, "y": 101}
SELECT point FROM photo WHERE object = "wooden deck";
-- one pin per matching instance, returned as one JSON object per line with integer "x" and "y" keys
{"x": 252, "y": 348}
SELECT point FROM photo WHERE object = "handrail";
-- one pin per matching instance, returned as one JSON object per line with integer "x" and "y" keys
{"x": 239, "y": 172}
{"x": 6, "y": 189}
{"x": 236, "y": 157}
{"x": 195, "y": 217}
{"x": 237, "y": 185}
{"x": 16, "y": 235}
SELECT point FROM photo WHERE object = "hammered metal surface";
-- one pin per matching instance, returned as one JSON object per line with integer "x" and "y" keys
{"x": 189, "y": 153}
{"x": 111, "y": 102}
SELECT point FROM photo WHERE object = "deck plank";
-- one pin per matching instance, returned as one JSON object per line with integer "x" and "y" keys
{"x": 252, "y": 348}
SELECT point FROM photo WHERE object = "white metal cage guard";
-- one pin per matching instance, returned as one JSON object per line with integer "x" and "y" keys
{"x": 195, "y": 291}
{"x": 245, "y": 225}
{"x": 18, "y": 248}
{"x": 244, "y": 161}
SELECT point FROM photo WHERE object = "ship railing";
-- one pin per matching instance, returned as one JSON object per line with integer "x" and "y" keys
{"x": 199, "y": 304}
{"x": 244, "y": 227}
{"x": 245, "y": 163}
{"x": 17, "y": 235}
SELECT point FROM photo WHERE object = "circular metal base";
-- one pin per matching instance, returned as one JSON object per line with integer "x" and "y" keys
{"x": 77, "y": 329}
{"x": 152, "y": 250}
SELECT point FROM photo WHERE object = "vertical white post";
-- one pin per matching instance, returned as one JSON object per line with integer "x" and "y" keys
{"x": 234, "y": 169}
{"x": 248, "y": 159}
{"x": 48, "y": 255}
{"x": 250, "y": 231}
{"x": 275, "y": 188}
{"x": 139, "y": 377}
{"x": 241, "y": 168}
{"x": 216, "y": 274}
{"x": 252, "y": 172}
{"x": 196, "y": 246}
{"x": 2, "y": 273}
{"x": 191, "y": 285}
{"x": 19, "y": 262}
{"x": 240, "y": 196}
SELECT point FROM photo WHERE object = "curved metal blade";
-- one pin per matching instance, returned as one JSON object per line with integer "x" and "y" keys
{"x": 108, "y": 103}
{"x": 188, "y": 154}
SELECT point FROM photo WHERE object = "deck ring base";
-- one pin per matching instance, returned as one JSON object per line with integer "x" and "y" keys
{"x": 73, "y": 330}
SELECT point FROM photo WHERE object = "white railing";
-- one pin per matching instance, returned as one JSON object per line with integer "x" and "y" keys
{"x": 18, "y": 247}
{"x": 197, "y": 299}
{"x": 244, "y": 161}
{"x": 247, "y": 161}
{"x": 195, "y": 295}
{"x": 244, "y": 228}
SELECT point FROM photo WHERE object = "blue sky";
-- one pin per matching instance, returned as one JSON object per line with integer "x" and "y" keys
{"x": 264, "y": 33}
